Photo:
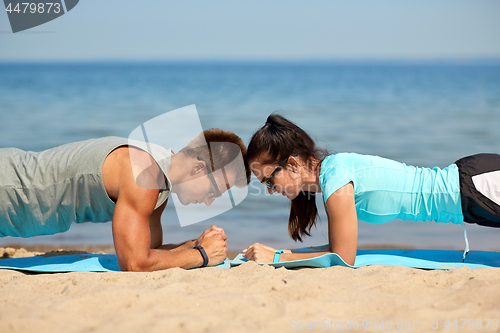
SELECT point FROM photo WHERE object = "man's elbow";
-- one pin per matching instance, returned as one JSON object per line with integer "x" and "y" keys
{"x": 135, "y": 265}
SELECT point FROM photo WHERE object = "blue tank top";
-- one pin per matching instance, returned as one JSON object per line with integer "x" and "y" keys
{"x": 385, "y": 190}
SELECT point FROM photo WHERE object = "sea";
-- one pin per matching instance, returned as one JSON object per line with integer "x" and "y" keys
{"x": 427, "y": 113}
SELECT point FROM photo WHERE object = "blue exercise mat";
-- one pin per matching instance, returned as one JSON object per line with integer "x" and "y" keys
{"x": 426, "y": 259}
{"x": 69, "y": 263}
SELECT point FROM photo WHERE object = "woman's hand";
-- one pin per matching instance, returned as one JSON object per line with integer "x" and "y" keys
{"x": 259, "y": 253}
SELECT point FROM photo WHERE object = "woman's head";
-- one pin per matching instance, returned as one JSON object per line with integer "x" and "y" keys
{"x": 278, "y": 139}
{"x": 276, "y": 153}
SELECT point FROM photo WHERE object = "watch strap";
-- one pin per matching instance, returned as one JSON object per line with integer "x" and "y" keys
{"x": 277, "y": 255}
{"x": 203, "y": 254}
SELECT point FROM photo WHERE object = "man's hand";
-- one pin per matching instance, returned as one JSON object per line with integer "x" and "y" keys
{"x": 213, "y": 241}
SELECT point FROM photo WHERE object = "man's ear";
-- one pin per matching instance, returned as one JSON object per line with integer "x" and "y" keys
{"x": 199, "y": 166}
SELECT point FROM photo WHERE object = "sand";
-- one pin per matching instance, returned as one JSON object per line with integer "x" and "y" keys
{"x": 250, "y": 298}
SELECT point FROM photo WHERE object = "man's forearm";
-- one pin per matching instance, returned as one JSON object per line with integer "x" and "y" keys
{"x": 159, "y": 259}
{"x": 190, "y": 244}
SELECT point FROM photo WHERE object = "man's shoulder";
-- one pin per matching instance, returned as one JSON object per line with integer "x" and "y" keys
{"x": 127, "y": 157}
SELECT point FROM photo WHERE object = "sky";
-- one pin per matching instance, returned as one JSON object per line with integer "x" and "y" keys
{"x": 261, "y": 30}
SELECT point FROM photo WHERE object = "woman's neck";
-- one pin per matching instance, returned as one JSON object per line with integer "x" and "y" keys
{"x": 310, "y": 178}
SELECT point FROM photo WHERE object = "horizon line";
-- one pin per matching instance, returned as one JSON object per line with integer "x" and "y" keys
{"x": 364, "y": 60}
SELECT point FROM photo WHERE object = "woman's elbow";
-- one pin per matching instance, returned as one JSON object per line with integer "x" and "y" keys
{"x": 350, "y": 261}
{"x": 349, "y": 257}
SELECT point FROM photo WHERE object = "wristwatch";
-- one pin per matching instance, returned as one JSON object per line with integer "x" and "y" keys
{"x": 277, "y": 256}
{"x": 203, "y": 254}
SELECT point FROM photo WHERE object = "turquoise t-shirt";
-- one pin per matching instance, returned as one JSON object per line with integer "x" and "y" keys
{"x": 385, "y": 190}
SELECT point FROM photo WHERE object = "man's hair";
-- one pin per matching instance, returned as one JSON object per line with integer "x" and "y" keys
{"x": 223, "y": 148}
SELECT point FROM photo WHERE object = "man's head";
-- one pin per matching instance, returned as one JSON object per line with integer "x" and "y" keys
{"x": 217, "y": 163}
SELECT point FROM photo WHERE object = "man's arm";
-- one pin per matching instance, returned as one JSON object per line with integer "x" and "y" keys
{"x": 190, "y": 244}
{"x": 155, "y": 226}
{"x": 157, "y": 233}
{"x": 137, "y": 228}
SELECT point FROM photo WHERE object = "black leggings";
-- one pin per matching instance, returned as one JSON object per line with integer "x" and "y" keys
{"x": 475, "y": 171}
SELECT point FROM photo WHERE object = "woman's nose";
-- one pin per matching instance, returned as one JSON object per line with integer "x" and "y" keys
{"x": 208, "y": 202}
{"x": 270, "y": 190}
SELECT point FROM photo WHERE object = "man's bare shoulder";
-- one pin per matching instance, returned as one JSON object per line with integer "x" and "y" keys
{"x": 126, "y": 166}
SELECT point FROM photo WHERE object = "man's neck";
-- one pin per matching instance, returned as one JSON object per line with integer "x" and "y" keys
{"x": 180, "y": 167}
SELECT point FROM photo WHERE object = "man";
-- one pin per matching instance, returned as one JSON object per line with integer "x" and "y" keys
{"x": 127, "y": 182}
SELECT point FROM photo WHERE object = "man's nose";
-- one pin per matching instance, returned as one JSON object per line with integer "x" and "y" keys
{"x": 209, "y": 201}
{"x": 270, "y": 190}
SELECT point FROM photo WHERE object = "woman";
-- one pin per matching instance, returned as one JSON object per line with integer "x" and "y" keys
{"x": 369, "y": 188}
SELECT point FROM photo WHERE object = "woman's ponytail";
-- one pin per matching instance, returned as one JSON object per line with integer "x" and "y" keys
{"x": 303, "y": 215}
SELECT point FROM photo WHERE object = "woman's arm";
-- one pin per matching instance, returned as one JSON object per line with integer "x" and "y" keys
{"x": 343, "y": 223}
{"x": 265, "y": 254}
{"x": 342, "y": 232}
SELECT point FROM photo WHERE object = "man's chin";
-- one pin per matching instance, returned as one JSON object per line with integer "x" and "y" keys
{"x": 183, "y": 201}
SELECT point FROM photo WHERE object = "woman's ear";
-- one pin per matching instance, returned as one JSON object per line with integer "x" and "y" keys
{"x": 293, "y": 167}
{"x": 294, "y": 164}
{"x": 298, "y": 167}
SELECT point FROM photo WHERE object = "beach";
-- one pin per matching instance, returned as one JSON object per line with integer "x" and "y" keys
{"x": 248, "y": 298}
{"x": 412, "y": 86}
